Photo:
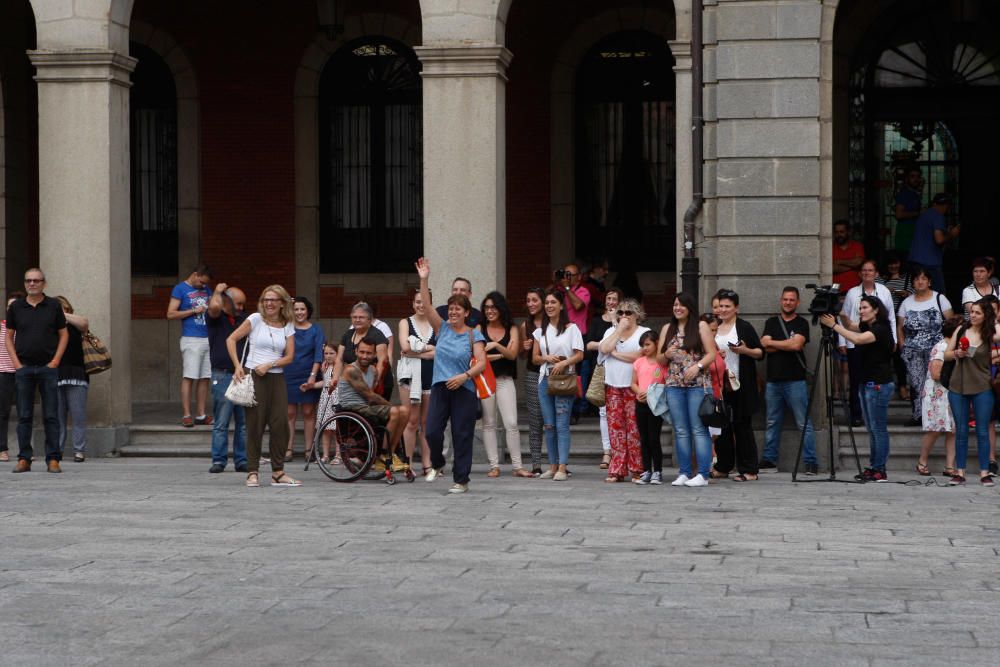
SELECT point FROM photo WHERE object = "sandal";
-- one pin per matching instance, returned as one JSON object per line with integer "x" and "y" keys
{"x": 324, "y": 459}
{"x": 605, "y": 461}
{"x": 494, "y": 472}
{"x": 923, "y": 470}
{"x": 949, "y": 472}
{"x": 284, "y": 480}
{"x": 308, "y": 455}
{"x": 336, "y": 461}
{"x": 715, "y": 474}
{"x": 612, "y": 479}
{"x": 742, "y": 477}
{"x": 4, "y": 456}
{"x": 521, "y": 472}
{"x": 253, "y": 480}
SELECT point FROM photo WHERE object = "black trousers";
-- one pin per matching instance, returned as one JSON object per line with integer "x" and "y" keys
{"x": 460, "y": 407}
{"x": 736, "y": 446}
{"x": 649, "y": 437}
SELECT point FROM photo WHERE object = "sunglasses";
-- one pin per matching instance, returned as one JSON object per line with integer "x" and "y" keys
{"x": 727, "y": 294}
{"x": 626, "y": 313}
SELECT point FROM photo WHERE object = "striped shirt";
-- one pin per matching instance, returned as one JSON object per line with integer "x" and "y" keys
{"x": 6, "y": 365}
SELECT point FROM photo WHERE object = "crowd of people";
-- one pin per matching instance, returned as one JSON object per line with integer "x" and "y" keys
{"x": 895, "y": 332}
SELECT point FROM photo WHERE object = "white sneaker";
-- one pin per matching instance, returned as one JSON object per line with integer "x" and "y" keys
{"x": 697, "y": 480}
{"x": 432, "y": 475}
{"x": 657, "y": 478}
{"x": 559, "y": 476}
{"x": 548, "y": 474}
{"x": 458, "y": 488}
{"x": 643, "y": 479}
{"x": 681, "y": 480}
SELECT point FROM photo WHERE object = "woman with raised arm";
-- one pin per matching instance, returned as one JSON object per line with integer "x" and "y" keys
{"x": 502, "y": 343}
{"x": 459, "y": 356}
{"x": 558, "y": 348}
{"x": 875, "y": 343}
{"x": 687, "y": 349}
{"x": 272, "y": 347}
{"x": 534, "y": 321}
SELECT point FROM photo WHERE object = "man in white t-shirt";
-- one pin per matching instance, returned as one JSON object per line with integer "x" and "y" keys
{"x": 850, "y": 318}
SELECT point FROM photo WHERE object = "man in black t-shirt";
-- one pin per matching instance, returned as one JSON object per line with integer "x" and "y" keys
{"x": 785, "y": 337}
{"x": 41, "y": 340}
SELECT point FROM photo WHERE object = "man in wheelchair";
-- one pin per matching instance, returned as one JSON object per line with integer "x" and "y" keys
{"x": 356, "y": 395}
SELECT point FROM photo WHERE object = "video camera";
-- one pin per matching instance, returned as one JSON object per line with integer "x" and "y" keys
{"x": 826, "y": 301}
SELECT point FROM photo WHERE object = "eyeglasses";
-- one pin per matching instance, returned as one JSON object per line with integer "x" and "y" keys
{"x": 570, "y": 275}
{"x": 626, "y": 313}
{"x": 34, "y": 280}
{"x": 490, "y": 306}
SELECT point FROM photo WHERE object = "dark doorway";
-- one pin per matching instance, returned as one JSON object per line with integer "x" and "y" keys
{"x": 625, "y": 148}
{"x": 925, "y": 95}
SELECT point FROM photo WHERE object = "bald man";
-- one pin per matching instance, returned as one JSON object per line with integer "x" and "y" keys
{"x": 225, "y": 313}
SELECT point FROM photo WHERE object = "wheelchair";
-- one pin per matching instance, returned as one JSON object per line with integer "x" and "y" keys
{"x": 356, "y": 446}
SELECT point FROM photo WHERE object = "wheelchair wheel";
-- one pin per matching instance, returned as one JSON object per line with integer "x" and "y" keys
{"x": 354, "y": 447}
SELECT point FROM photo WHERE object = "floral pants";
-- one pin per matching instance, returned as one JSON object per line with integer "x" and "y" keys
{"x": 916, "y": 361}
{"x": 626, "y": 447}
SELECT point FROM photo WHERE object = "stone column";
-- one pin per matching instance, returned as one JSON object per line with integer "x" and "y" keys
{"x": 464, "y": 166}
{"x": 681, "y": 51}
{"x": 84, "y": 212}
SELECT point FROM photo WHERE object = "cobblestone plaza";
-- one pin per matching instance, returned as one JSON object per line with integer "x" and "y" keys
{"x": 156, "y": 562}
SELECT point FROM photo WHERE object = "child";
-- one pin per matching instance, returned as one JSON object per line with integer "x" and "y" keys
{"x": 647, "y": 371}
{"x": 328, "y": 399}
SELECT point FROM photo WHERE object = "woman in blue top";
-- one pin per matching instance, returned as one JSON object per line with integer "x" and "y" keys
{"x": 302, "y": 373}
{"x": 453, "y": 394}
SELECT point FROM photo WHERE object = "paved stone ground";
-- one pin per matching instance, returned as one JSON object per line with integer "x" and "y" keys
{"x": 156, "y": 562}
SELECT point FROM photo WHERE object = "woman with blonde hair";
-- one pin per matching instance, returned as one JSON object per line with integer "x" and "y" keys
{"x": 272, "y": 346}
{"x": 618, "y": 350}
{"x": 73, "y": 384}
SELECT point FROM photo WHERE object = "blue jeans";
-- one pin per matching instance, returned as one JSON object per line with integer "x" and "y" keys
{"x": 795, "y": 395}
{"x": 44, "y": 379}
{"x": 982, "y": 405}
{"x": 73, "y": 404}
{"x": 555, "y": 419}
{"x": 224, "y": 410}
{"x": 875, "y": 408}
{"x": 684, "y": 403}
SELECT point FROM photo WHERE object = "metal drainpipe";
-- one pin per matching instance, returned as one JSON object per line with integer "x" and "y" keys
{"x": 690, "y": 270}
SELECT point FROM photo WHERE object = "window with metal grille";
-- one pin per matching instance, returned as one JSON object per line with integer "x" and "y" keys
{"x": 153, "y": 105}
{"x": 625, "y": 153}
{"x": 371, "y": 155}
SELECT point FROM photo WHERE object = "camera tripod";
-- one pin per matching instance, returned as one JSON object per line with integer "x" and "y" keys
{"x": 826, "y": 361}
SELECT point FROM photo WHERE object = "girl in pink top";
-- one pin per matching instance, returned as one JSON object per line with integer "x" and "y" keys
{"x": 646, "y": 371}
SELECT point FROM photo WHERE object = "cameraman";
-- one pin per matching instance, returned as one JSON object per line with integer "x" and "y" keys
{"x": 874, "y": 344}
{"x": 850, "y": 318}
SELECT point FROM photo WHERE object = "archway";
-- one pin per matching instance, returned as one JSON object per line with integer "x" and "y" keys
{"x": 917, "y": 89}
{"x": 19, "y": 145}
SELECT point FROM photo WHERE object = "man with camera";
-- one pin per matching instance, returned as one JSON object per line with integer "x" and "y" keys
{"x": 785, "y": 337}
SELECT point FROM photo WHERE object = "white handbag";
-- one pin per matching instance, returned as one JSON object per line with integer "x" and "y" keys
{"x": 241, "y": 392}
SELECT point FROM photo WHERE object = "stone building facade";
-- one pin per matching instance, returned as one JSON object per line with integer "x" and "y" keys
{"x": 509, "y": 180}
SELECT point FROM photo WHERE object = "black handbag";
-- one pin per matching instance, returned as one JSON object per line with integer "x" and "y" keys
{"x": 948, "y": 367}
{"x": 713, "y": 411}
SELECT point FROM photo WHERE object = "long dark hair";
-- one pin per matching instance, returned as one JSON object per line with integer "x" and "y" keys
{"x": 989, "y": 319}
{"x": 563, "y": 315}
{"x": 530, "y": 319}
{"x": 498, "y": 299}
{"x": 881, "y": 312}
{"x": 692, "y": 337}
